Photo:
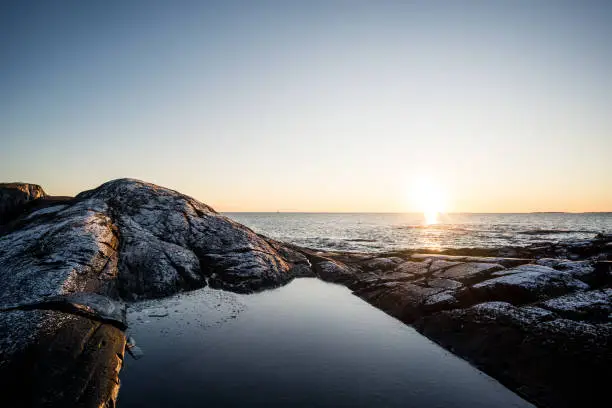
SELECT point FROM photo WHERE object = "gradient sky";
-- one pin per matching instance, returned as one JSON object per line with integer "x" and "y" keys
{"x": 314, "y": 105}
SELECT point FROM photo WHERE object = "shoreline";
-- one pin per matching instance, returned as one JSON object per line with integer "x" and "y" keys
{"x": 537, "y": 319}
{"x": 532, "y": 323}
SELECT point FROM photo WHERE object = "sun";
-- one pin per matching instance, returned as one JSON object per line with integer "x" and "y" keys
{"x": 430, "y": 199}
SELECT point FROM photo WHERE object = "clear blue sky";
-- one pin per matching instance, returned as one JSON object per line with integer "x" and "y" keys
{"x": 314, "y": 105}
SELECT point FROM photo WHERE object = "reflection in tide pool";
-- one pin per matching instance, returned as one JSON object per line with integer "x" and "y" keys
{"x": 308, "y": 344}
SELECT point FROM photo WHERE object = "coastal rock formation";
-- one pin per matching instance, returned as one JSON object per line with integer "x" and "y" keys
{"x": 13, "y": 197}
{"x": 542, "y": 326}
{"x": 539, "y": 318}
{"x": 66, "y": 267}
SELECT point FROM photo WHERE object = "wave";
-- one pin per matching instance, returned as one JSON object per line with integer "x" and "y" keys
{"x": 436, "y": 227}
{"x": 556, "y": 231}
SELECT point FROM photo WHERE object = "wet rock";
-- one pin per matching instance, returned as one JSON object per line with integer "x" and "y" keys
{"x": 64, "y": 254}
{"x": 552, "y": 362}
{"x": 452, "y": 258}
{"x": 334, "y": 271}
{"x": 444, "y": 283}
{"x": 594, "y": 305}
{"x": 527, "y": 283}
{"x": 504, "y": 261}
{"x": 440, "y": 301}
{"x": 58, "y": 359}
{"x": 91, "y": 305}
{"x": 442, "y": 264}
{"x": 414, "y": 268}
{"x": 133, "y": 350}
{"x": 186, "y": 239}
{"x": 382, "y": 264}
{"x": 402, "y": 300}
{"x": 394, "y": 276}
{"x": 133, "y": 239}
{"x": 469, "y": 271}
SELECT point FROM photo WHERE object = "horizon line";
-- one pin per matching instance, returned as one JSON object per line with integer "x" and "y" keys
{"x": 414, "y": 212}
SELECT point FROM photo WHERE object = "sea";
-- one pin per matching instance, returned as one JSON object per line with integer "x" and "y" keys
{"x": 380, "y": 232}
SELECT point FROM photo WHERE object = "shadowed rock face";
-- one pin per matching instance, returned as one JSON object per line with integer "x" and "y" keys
{"x": 13, "y": 196}
{"x": 54, "y": 359}
{"x": 65, "y": 269}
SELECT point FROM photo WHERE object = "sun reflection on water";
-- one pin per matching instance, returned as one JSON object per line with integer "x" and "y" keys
{"x": 431, "y": 217}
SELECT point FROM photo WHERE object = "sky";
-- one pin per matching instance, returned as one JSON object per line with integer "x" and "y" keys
{"x": 496, "y": 106}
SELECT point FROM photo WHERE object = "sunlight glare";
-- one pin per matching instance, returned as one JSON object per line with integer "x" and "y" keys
{"x": 430, "y": 200}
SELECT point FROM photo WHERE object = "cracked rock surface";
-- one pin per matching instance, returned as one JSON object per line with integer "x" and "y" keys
{"x": 67, "y": 267}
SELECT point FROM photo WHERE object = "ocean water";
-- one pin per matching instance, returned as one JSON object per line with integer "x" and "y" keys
{"x": 306, "y": 344}
{"x": 371, "y": 232}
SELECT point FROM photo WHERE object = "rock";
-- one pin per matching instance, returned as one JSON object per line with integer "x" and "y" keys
{"x": 176, "y": 240}
{"x": 59, "y": 255}
{"x": 594, "y": 305}
{"x": 469, "y": 271}
{"x": 552, "y": 362}
{"x": 65, "y": 267}
{"x": 133, "y": 239}
{"x": 440, "y": 301}
{"x": 506, "y": 262}
{"x": 91, "y": 305}
{"x": 395, "y": 276}
{"x": 441, "y": 264}
{"x": 402, "y": 300}
{"x": 51, "y": 358}
{"x": 452, "y": 258}
{"x": 444, "y": 283}
{"x": 526, "y": 283}
{"x": 415, "y": 268}
{"x": 13, "y": 197}
{"x": 334, "y": 271}
{"x": 382, "y": 264}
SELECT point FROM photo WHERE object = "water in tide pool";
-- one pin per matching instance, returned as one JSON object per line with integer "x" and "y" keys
{"x": 384, "y": 232}
{"x": 307, "y": 344}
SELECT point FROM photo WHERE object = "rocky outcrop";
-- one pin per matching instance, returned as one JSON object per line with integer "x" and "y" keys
{"x": 541, "y": 326}
{"x": 553, "y": 361}
{"x": 67, "y": 266}
{"x": 14, "y": 196}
